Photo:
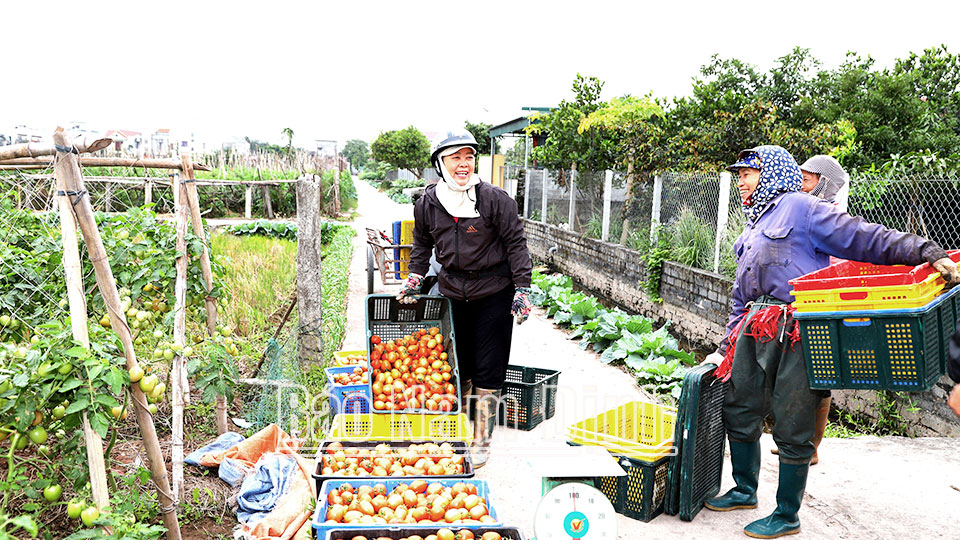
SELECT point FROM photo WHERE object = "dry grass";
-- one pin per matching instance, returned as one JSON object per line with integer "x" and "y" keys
{"x": 260, "y": 278}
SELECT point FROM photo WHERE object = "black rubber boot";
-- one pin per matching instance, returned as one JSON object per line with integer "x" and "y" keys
{"x": 784, "y": 520}
{"x": 745, "y": 461}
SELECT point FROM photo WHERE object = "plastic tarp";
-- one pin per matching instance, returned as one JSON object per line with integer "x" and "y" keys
{"x": 230, "y": 470}
{"x": 275, "y": 500}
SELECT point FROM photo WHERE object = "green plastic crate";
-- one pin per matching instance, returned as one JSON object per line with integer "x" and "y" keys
{"x": 641, "y": 493}
{"x": 897, "y": 349}
{"x": 529, "y": 397}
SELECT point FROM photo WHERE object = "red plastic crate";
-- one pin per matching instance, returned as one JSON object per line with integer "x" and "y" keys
{"x": 851, "y": 274}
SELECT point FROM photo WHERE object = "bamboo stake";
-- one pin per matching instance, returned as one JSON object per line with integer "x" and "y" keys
{"x": 28, "y": 150}
{"x": 78, "y": 322}
{"x": 73, "y": 182}
{"x": 193, "y": 200}
{"x": 44, "y": 162}
{"x": 177, "y": 376}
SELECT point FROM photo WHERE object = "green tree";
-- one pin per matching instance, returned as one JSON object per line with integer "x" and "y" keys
{"x": 627, "y": 120}
{"x": 481, "y": 132}
{"x": 288, "y": 133}
{"x": 566, "y": 146}
{"x": 515, "y": 154}
{"x": 357, "y": 152}
{"x": 404, "y": 149}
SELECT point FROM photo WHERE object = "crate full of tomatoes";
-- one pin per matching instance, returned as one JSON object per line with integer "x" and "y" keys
{"x": 419, "y": 503}
{"x": 343, "y": 460}
{"x": 348, "y": 388}
{"x": 446, "y": 533}
{"x": 413, "y": 366}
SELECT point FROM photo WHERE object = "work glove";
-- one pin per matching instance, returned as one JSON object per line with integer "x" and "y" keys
{"x": 410, "y": 288}
{"x": 948, "y": 269}
{"x": 713, "y": 358}
{"x": 520, "y": 309}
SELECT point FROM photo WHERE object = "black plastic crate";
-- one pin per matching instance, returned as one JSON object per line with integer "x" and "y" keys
{"x": 701, "y": 453}
{"x": 641, "y": 493}
{"x": 529, "y": 397}
{"x": 388, "y": 318}
{"x": 507, "y": 533}
{"x": 461, "y": 448}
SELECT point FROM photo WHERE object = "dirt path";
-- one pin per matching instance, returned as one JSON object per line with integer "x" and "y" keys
{"x": 863, "y": 488}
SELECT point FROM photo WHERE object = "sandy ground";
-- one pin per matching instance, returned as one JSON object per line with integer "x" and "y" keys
{"x": 864, "y": 487}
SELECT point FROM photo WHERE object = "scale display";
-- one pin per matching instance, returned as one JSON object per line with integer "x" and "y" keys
{"x": 574, "y": 511}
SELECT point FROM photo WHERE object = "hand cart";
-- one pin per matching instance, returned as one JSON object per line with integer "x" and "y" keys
{"x": 382, "y": 257}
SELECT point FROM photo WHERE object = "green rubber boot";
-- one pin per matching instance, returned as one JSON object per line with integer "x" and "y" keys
{"x": 784, "y": 520}
{"x": 745, "y": 461}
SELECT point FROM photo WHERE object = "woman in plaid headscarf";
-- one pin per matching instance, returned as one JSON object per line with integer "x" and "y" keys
{"x": 788, "y": 234}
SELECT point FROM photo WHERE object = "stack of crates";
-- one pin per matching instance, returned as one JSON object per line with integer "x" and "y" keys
{"x": 874, "y": 327}
{"x": 402, "y": 235}
{"x": 640, "y": 435}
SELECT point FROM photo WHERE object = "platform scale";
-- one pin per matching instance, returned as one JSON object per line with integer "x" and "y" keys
{"x": 570, "y": 506}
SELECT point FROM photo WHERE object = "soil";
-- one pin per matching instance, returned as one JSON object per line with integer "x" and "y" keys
{"x": 208, "y": 529}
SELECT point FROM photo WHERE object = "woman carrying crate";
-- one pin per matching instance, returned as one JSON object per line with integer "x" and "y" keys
{"x": 788, "y": 234}
{"x": 475, "y": 230}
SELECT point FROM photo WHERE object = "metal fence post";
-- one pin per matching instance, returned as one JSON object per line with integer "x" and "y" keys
{"x": 723, "y": 213}
{"x": 526, "y": 192}
{"x": 655, "y": 213}
{"x": 607, "y": 193}
{"x": 572, "y": 211}
{"x": 543, "y": 198}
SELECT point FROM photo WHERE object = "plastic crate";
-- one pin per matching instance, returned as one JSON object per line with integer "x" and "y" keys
{"x": 529, "y": 397}
{"x": 848, "y": 274}
{"x": 695, "y": 472}
{"x": 389, "y": 319}
{"x": 401, "y": 427}
{"x": 641, "y": 493}
{"x": 870, "y": 298}
{"x": 638, "y": 430}
{"x": 459, "y": 447}
{"x": 340, "y": 357}
{"x": 507, "y": 533}
{"x": 347, "y": 398}
{"x": 897, "y": 349}
{"x": 320, "y": 528}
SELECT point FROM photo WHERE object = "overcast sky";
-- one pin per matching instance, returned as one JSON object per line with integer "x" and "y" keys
{"x": 353, "y": 68}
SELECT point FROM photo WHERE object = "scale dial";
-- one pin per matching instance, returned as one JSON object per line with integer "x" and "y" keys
{"x": 574, "y": 511}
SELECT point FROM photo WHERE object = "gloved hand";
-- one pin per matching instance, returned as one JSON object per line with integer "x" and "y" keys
{"x": 520, "y": 309}
{"x": 954, "y": 400}
{"x": 410, "y": 288}
{"x": 713, "y": 358}
{"x": 948, "y": 269}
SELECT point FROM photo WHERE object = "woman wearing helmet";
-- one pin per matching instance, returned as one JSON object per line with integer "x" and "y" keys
{"x": 475, "y": 230}
{"x": 788, "y": 234}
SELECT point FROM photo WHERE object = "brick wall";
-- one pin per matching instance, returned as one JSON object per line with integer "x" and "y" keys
{"x": 697, "y": 302}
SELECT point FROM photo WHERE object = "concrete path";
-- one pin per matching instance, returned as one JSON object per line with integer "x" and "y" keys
{"x": 863, "y": 488}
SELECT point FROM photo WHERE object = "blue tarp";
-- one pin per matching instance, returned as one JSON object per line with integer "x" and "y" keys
{"x": 230, "y": 471}
{"x": 261, "y": 490}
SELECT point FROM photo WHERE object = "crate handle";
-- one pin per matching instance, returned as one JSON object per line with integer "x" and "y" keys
{"x": 853, "y": 295}
{"x": 857, "y": 322}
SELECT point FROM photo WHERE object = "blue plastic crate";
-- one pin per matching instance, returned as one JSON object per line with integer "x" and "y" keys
{"x": 320, "y": 528}
{"x": 347, "y": 398}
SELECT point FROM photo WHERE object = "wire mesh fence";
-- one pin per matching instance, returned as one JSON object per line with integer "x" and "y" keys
{"x": 929, "y": 207}
{"x": 533, "y": 202}
{"x": 588, "y": 203}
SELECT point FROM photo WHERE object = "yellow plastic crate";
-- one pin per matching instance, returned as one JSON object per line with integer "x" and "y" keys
{"x": 341, "y": 357}
{"x": 401, "y": 427}
{"x": 637, "y": 430}
{"x": 870, "y": 298}
{"x": 406, "y": 237}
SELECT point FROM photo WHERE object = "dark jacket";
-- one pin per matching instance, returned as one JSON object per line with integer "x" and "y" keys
{"x": 492, "y": 245}
{"x": 953, "y": 358}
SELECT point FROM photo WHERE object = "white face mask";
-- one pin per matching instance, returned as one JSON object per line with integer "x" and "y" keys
{"x": 457, "y": 200}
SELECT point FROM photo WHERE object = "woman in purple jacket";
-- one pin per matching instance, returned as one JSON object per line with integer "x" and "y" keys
{"x": 475, "y": 230}
{"x": 788, "y": 234}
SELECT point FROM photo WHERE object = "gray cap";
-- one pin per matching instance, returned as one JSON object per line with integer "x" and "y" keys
{"x": 832, "y": 176}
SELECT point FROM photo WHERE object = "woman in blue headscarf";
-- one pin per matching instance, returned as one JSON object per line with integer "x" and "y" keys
{"x": 788, "y": 234}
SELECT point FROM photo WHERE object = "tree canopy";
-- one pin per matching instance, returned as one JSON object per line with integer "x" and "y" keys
{"x": 404, "y": 149}
{"x": 357, "y": 152}
{"x": 481, "y": 132}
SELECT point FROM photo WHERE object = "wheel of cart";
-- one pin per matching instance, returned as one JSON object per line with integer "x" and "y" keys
{"x": 382, "y": 257}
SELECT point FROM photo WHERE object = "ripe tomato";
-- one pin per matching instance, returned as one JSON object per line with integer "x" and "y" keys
{"x": 375, "y": 339}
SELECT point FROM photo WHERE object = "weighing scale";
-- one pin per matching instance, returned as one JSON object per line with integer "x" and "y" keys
{"x": 571, "y": 507}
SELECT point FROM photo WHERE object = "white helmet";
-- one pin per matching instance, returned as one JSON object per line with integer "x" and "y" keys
{"x": 447, "y": 140}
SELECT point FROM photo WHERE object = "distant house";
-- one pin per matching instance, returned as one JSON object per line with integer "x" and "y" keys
{"x": 126, "y": 141}
{"x": 160, "y": 143}
{"x": 237, "y": 145}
